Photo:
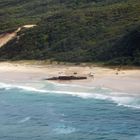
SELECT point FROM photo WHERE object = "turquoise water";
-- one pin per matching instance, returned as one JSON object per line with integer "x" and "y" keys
{"x": 48, "y": 111}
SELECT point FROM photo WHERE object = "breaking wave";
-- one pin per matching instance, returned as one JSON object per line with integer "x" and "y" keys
{"x": 121, "y": 99}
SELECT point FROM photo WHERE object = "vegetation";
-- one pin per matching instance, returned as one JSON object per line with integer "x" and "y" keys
{"x": 73, "y": 30}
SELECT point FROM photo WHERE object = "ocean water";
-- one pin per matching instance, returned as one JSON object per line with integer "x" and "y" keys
{"x": 50, "y": 111}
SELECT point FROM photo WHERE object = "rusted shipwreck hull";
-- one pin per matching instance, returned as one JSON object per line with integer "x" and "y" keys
{"x": 67, "y": 78}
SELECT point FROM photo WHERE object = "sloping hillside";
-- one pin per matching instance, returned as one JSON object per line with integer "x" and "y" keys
{"x": 76, "y": 31}
{"x": 15, "y": 13}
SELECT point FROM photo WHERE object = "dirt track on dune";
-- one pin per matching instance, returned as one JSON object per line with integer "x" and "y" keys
{"x": 6, "y": 37}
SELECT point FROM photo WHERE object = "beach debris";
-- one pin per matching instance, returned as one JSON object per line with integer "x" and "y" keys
{"x": 75, "y": 73}
{"x": 60, "y": 73}
{"x": 117, "y": 73}
{"x": 91, "y": 75}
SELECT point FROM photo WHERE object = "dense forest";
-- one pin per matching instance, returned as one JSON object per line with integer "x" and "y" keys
{"x": 106, "y": 31}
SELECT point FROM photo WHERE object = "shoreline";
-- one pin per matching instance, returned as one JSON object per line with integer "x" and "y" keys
{"x": 122, "y": 80}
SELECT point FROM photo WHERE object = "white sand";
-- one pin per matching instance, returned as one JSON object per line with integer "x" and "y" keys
{"x": 123, "y": 80}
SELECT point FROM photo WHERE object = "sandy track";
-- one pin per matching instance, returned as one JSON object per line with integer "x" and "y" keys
{"x": 6, "y": 37}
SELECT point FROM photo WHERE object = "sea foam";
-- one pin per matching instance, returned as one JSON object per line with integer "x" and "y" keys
{"x": 63, "y": 129}
{"x": 24, "y": 120}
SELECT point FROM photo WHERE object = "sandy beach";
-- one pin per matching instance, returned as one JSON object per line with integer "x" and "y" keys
{"x": 124, "y": 80}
